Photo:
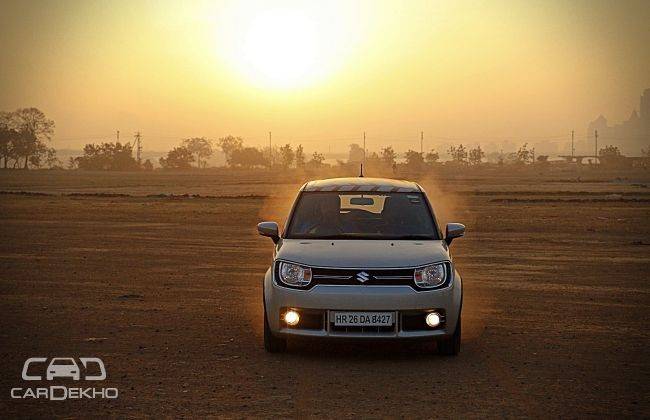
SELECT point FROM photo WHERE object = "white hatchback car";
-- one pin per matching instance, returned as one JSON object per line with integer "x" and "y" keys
{"x": 362, "y": 258}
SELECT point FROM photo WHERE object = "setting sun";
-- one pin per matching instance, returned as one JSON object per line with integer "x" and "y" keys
{"x": 283, "y": 48}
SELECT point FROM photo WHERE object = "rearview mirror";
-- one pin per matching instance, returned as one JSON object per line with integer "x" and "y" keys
{"x": 362, "y": 201}
{"x": 454, "y": 230}
{"x": 269, "y": 229}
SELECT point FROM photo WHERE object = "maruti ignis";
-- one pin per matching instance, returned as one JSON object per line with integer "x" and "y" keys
{"x": 362, "y": 258}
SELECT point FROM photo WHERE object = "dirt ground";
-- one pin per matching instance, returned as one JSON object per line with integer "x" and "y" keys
{"x": 166, "y": 290}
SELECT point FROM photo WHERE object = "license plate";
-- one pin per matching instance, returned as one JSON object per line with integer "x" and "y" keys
{"x": 362, "y": 319}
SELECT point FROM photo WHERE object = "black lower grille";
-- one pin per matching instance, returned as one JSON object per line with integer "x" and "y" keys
{"x": 362, "y": 330}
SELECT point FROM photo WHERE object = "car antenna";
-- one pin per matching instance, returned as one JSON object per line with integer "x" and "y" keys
{"x": 361, "y": 173}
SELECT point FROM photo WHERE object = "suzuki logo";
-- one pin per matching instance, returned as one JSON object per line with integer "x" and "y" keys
{"x": 363, "y": 277}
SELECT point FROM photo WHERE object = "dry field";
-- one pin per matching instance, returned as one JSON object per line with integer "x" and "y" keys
{"x": 166, "y": 290}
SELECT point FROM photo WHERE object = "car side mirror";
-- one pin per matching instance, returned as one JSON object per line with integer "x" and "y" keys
{"x": 454, "y": 230}
{"x": 269, "y": 229}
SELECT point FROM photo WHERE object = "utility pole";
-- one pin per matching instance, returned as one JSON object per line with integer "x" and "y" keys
{"x": 364, "y": 147}
{"x": 422, "y": 143}
{"x": 270, "y": 151}
{"x": 572, "y": 148}
{"x": 118, "y": 135}
{"x": 138, "y": 147}
{"x": 595, "y": 146}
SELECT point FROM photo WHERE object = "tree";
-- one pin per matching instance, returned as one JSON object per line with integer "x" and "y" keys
{"x": 35, "y": 130}
{"x": 356, "y": 154}
{"x": 8, "y": 138}
{"x": 458, "y": 154}
{"x": 287, "y": 155}
{"x": 609, "y": 151}
{"x": 107, "y": 157}
{"x": 476, "y": 155}
{"x": 44, "y": 156}
{"x": 248, "y": 157}
{"x": 201, "y": 147}
{"x": 611, "y": 156}
{"x": 524, "y": 155}
{"x": 72, "y": 163}
{"x": 317, "y": 160}
{"x": 228, "y": 145}
{"x": 24, "y": 135}
{"x": 414, "y": 160}
{"x": 432, "y": 157}
{"x": 147, "y": 165}
{"x": 300, "y": 157}
{"x": 388, "y": 156}
{"x": 178, "y": 158}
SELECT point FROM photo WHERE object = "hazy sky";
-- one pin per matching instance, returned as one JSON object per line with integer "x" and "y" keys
{"x": 320, "y": 73}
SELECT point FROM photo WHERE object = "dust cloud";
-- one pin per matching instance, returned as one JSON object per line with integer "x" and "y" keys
{"x": 451, "y": 207}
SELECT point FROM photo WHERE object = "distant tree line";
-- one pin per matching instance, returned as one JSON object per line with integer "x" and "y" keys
{"x": 106, "y": 157}
{"x": 237, "y": 155}
{"x": 24, "y": 137}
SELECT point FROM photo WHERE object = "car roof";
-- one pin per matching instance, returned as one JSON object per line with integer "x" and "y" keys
{"x": 362, "y": 184}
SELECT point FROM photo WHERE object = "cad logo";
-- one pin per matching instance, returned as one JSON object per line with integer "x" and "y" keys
{"x": 363, "y": 277}
{"x": 63, "y": 368}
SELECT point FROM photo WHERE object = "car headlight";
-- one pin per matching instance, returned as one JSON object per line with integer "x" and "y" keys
{"x": 294, "y": 275}
{"x": 431, "y": 276}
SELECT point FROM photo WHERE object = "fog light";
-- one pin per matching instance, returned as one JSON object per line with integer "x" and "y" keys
{"x": 433, "y": 319}
{"x": 291, "y": 318}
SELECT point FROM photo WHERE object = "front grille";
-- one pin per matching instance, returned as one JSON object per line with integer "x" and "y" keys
{"x": 370, "y": 277}
{"x": 364, "y": 277}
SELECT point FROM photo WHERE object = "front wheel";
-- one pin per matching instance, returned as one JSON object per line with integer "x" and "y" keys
{"x": 272, "y": 344}
{"x": 450, "y": 346}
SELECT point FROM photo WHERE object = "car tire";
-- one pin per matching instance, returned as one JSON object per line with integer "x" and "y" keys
{"x": 272, "y": 344}
{"x": 451, "y": 346}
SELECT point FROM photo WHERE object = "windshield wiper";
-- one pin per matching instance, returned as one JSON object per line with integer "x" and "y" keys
{"x": 367, "y": 236}
{"x": 413, "y": 237}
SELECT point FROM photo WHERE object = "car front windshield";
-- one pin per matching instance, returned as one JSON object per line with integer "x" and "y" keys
{"x": 61, "y": 362}
{"x": 337, "y": 215}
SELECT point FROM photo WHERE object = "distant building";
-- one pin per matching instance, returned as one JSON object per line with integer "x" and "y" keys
{"x": 629, "y": 136}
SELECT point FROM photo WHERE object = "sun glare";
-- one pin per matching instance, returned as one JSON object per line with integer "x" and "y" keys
{"x": 281, "y": 49}
{"x": 284, "y": 48}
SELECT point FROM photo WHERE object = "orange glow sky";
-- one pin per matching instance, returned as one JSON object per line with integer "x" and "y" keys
{"x": 321, "y": 73}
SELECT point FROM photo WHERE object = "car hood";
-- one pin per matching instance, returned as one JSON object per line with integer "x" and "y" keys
{"x": 361, "y": 253}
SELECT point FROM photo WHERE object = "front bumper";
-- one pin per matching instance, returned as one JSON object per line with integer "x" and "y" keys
{"x": 401, "y": 300}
